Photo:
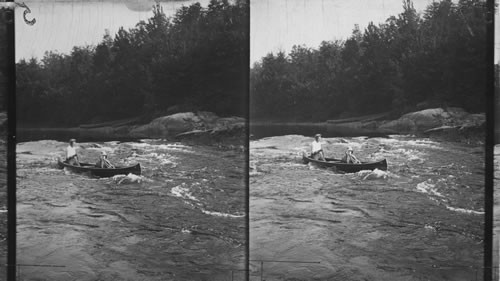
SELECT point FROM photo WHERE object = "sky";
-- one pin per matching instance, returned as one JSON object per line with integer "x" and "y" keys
{"x": 275, "y": 25}
{"x": 61, "y": 25}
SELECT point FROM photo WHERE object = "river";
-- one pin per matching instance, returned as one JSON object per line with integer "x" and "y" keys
{"x": 183, "y": 219}
{"x": 421, "y": 220}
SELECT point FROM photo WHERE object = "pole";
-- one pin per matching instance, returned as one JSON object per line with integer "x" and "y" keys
{"x": 261, "y": 270}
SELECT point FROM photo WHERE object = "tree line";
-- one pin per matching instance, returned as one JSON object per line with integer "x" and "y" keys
{"x": 409, "y": 62}
{"x": 195, "y": 60}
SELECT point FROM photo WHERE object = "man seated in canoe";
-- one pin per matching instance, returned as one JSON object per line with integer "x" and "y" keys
{"x": 349, "y": 157}
{"x": 103, "y": 161}
{"x": 316, "y": 149}
{"x": 71, "y": 155}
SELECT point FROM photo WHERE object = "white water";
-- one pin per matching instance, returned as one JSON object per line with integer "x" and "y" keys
{"x": 424, "y": 214}
{"x": 182, "y": 218}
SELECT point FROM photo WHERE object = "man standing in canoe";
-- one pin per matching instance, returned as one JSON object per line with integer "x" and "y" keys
{"x": 349, "y": 157}
{"x": 316, "y": 149}
{"x": 71, "y": 155}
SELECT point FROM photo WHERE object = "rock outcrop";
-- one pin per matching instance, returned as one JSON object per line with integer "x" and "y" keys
{"x": 452, "y": 123}
{"x": 189, "y": 124}
{"x": 205, "y": 127}
{"x": 429, "y": 119}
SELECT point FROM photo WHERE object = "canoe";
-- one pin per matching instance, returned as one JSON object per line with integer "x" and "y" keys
{"x": 345, "y": 167}
{"x": 101, "y": 172}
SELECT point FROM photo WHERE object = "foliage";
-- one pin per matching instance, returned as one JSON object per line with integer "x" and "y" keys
{"x": 432, "y": 59}
{"x": 196, "y": 60}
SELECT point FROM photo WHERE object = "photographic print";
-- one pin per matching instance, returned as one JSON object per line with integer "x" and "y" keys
{"x": 131, "y": 153}
{"x": 367, "y": 127}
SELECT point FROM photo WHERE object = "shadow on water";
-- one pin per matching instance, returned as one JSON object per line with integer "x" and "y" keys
{"x": 329, "y": 130}
{"x": 64, "y": 134}
{"x": 257, "y": 130}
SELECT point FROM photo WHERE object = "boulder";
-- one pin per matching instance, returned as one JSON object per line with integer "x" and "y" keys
{"x": 174, "y": 124}
{"x": 229, "y": 124}
{"x": 189, "y": 124}
{"x": 429, "y": 119}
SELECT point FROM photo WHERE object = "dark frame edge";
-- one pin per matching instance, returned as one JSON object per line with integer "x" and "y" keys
{"x": 11, "y": 145}
{"x": 247, "y": 143}
{"x": 489, "y": 143}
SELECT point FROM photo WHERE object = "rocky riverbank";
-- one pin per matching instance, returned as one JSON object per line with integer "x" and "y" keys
{"x": 190, "y": 127}
{"x": 445, "y": 124}
{"x": 207, "y": 128}
{"x": 449, "y": 124}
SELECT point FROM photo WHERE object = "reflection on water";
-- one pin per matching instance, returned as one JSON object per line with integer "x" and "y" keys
{"x": 61, "y": 25}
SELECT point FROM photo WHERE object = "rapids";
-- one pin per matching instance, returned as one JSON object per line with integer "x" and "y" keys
{"x": 423, "y": 219}
{"x": 182, "y": 219}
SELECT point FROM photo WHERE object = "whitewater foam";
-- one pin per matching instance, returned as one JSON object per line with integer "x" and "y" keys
{"x": 182, "y": 191}
{"x": 168, "y": 146}
{"x": 130, "y": 178}
{"x": 372, "y": 175}
{"x": 466, "y": 211}
{"x": 219, "y": 214}
{"x": 429, "y": 188}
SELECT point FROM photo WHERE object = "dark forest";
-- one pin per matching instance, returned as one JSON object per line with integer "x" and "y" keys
{"x": 410, "y": 62}
{"x": 196, "y": 60}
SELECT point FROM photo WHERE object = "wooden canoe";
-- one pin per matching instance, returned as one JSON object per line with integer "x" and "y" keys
{"x": 101, "y": 172}
{"x": 345, "y": 167}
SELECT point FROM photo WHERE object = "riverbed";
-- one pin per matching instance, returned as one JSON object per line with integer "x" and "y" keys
{"x": 184, "y": 218}
{"x": 423, "y": 219}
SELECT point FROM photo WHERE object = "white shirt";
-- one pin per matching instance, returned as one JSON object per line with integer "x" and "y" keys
{"x": 70, "y": 151}
{"x": 315, "y": 146}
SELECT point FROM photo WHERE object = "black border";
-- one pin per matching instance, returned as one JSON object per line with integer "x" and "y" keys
{"x": 247, "y": 144}
{"x": 11, "y": 145}
{"x": 489, "y": 143}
